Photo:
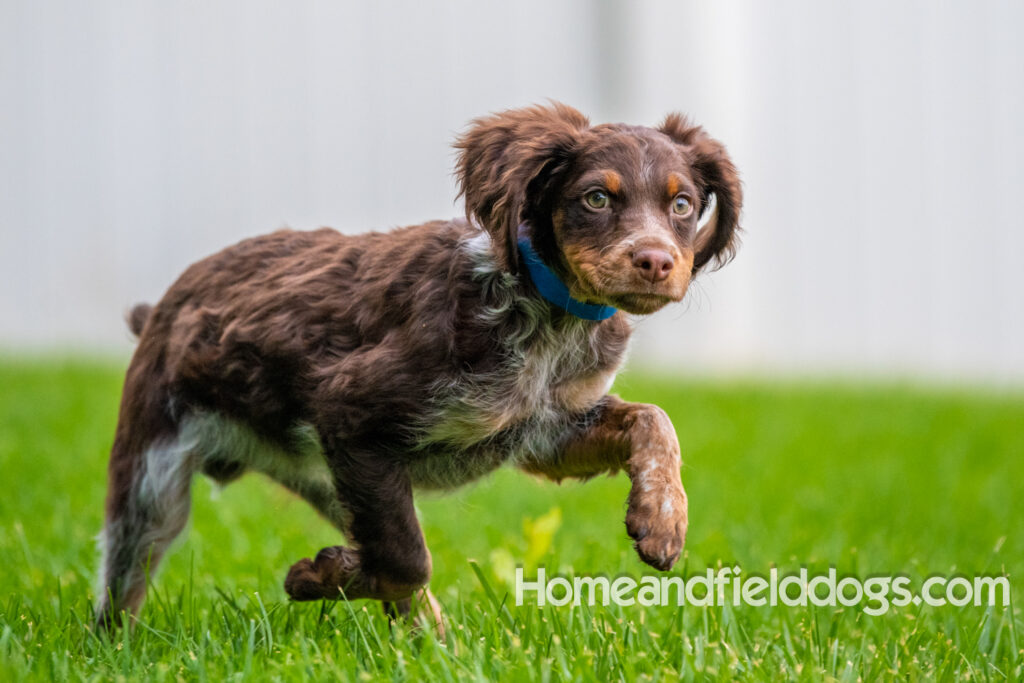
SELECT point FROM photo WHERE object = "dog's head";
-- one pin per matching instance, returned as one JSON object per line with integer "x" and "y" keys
{"x": 613, "y": 209}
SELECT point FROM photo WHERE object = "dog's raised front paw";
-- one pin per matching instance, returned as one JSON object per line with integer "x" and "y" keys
{"x": 657, "y": 521}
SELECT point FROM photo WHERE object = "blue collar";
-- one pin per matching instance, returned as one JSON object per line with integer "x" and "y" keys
{"x": 554, "y": 290}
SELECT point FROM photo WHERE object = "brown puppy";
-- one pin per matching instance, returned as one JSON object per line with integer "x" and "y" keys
{"x": 355, "y": 369}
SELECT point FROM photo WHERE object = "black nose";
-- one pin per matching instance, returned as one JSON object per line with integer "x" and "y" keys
{"x": 654, "y": 264}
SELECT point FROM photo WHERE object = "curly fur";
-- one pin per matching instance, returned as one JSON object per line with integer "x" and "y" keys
{"x": 354, "y": 369}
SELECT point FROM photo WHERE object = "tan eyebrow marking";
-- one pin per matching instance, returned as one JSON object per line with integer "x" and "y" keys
{"x": 674, "y": 183}
{"x": 612, "y": 181}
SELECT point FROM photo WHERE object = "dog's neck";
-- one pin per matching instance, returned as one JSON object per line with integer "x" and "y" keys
{"x": 551, "y": 287}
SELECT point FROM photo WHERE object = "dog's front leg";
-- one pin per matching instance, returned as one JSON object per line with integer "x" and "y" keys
{"x": 639, "y": 438}
{"x": 391, "y": 562}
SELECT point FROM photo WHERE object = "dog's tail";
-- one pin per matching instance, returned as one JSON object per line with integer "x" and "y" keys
{"x": 137, "y": 317}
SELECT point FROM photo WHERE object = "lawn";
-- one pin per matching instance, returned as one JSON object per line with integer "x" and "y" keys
{"x": 872, "y": 479}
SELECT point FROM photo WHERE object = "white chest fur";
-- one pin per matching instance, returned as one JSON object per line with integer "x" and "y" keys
{"x": 547, "y": 384}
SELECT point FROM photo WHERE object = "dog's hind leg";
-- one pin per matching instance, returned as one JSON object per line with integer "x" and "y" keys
{"x": 147, "y": 507}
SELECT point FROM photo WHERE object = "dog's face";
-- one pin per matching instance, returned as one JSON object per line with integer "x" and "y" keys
{"x": 614, "y": 209}
{"x": 625, "y": 220}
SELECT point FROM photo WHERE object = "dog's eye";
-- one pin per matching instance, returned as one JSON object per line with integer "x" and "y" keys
{"x": 597, "y": 199}
{"x": 681, "y": 206}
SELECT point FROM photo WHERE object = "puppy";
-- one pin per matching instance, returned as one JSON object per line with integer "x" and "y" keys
{"x": 356, "y": 369}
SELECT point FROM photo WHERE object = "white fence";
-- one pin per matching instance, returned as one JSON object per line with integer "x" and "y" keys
{"x": 881, "y": 146}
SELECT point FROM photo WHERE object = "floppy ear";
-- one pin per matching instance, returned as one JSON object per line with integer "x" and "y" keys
{"x": 508, "y": 162}
{"x": 715, "y": 175}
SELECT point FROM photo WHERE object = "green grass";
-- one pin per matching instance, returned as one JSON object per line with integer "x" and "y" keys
{"x": 871, "y": 479}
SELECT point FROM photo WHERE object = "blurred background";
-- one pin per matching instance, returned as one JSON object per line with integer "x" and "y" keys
{"x": 880, "y": 145}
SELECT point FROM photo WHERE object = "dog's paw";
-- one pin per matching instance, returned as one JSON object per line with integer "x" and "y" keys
{"x": 656, "y": 520}
{"x": 304, "y": 582}
{"x": 322, "y": 578}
